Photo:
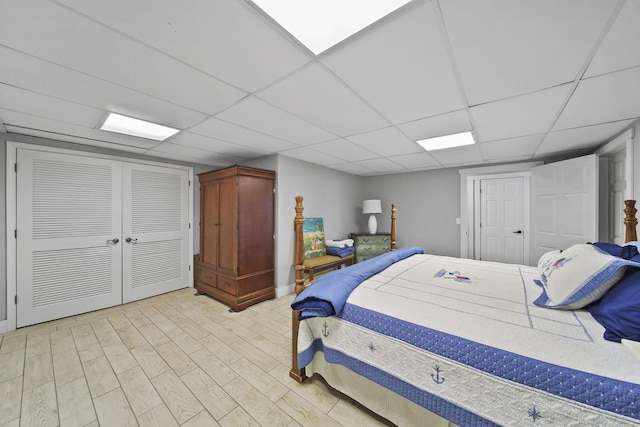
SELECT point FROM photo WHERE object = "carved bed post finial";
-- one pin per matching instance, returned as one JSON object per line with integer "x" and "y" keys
{"x": 297, "y": 373}
{"x": 393, "y": 227}
{"x": 298, "y": 250}
{"x": 630, "y": 221}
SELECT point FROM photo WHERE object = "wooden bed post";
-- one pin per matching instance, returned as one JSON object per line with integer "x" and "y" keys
{"x": 297, "y": 373}
{"x": 393, "y": 228}
{"x": 630, "y": 221}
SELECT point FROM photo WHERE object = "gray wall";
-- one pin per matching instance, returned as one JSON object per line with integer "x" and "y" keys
{"x": 427, "y": 204}
{"x": 335, "y": 196}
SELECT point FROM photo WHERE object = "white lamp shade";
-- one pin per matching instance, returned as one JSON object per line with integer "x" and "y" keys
{"x": 372, "y": 207}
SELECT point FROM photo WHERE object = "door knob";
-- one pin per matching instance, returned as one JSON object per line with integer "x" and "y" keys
{"x": 130, "y": 240}
{"x": 113, "y": 241}
{"x": 517, "y": 232}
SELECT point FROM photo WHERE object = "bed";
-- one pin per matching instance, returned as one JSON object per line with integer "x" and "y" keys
{"x": 432, "y": 340}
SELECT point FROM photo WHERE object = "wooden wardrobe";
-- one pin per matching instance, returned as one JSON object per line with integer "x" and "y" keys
{"x": 236, "y": 263}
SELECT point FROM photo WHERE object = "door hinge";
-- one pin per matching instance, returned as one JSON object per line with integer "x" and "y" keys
{"x": 15, "y": 167}
{"x": 189, "y": 225}
{"x": 15, "y": 233}
{"x": 16, "y": 299}
{"x": 189, "y": 183}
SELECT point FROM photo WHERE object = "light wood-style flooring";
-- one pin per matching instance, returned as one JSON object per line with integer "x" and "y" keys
{"x": 172, "y": 360}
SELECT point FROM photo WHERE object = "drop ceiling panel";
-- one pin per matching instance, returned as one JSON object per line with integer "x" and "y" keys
{"x": 458, "y": 156}
{"x": 400, "y": 66}
{"x": 54, "y": 33}
{"x": 193, "y": 155}
{"x": 187, "y": 159}
{"x": 417, "y": 161}
{"x": 521, "y": 116}
{"x": 382, "y": 165}
{"x": 621, "y": 46}
{"x": 227, "y": 151}
{"x": 35, "y": 104}
{"x": 219, "y": 129}
{"x": 351, "y": 168}
{"x": 312, "y": 156}
{"x": 386, "y": 142}
{"x": 73, "y": 139}
{"x": 588, "y": 137}
{"x": 602, "y": 99}
{"x": 443, "y": 124}
{"x": 38, "y": 126}
{"x": 316, "y": 96}
{"x": 505, "y": 48}
{"x": 201, "y": 32}
{"x": 344, "y": 150}
{"x": 258, "y": 115}
{"x": 511, "y": 149}
{"x": 56, "y": 81}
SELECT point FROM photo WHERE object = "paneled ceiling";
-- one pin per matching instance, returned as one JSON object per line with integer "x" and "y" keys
{"x": 531, "y": 79}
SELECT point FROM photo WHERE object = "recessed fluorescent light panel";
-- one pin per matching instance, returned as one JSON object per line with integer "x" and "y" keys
{"x": 320, "y": 24}
{"x": 136, "y": 127}
{"x": 447, "y": 141}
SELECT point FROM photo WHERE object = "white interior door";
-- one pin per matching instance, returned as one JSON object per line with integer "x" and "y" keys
{"x": 502, "y": 220}
{"x": 564, "y": 204}
{"x": 155, "y": 230}
{"x": 616, "y": 192}
{"x": 68, "y": 243}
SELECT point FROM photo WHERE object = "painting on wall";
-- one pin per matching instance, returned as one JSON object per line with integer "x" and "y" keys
{"x": 313, "y": 234}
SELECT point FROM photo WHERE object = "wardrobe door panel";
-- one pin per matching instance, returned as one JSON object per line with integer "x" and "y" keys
{"x": 228, "y": 226}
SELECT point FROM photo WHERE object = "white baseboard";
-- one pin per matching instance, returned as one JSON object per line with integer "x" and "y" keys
{"x": 285, "y": 290}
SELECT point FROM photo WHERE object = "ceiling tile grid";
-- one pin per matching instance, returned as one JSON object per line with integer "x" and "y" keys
{"x": 530, "y": 80}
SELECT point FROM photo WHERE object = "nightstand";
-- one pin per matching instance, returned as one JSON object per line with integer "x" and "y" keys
{"x": 369, "y": 245}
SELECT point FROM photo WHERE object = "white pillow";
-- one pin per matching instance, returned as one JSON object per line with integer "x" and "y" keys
{"x": 578, "y": 276}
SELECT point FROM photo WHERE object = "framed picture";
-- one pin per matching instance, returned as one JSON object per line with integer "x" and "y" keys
{"x": 313, "y": 234}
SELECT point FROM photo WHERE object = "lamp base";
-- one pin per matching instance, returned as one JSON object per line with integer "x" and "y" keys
{"x": 373, "y": 224}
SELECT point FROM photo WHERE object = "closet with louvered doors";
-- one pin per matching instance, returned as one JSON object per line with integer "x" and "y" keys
{"x": 96, "y": 232}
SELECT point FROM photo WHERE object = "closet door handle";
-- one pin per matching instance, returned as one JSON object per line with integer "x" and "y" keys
{"x": 517, "y": 232}
{"x": 130, "y": 240}
{"x": 113, "y": 241}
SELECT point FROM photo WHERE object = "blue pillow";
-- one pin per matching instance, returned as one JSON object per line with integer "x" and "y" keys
{"x": 619, "y": 309}
{"x": 625, "y": 252}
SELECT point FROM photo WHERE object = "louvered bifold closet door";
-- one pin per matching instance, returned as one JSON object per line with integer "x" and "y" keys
{"x": 68, "y": 235}
{"x": 155, "y": 230}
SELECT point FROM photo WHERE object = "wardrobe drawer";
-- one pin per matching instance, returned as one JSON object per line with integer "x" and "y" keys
{"x": 227, "y": 285}
{"x": 208, "y": 277}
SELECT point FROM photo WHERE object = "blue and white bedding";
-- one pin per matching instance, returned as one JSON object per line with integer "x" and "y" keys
{"x": 464, "y": 339}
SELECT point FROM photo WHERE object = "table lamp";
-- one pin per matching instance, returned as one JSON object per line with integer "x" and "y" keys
{"x": 371, "y": 207}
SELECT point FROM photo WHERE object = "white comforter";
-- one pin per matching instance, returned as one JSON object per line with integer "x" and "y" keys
{"x": 489, "y": 308}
